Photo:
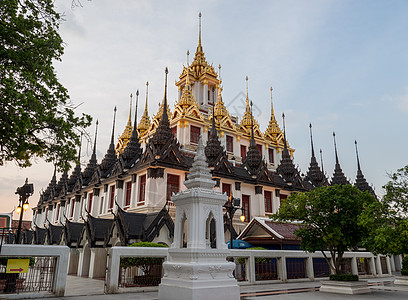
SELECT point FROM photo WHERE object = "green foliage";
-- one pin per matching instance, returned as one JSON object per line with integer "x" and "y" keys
{"x": 37, "y": 118}
{"x": 241, "y": 260}
{"x": 329, "y": 218}
{"x": 343, "y": 277}
{"x": 143, "y": 263}
{"x": 386, "y": 220}
{"x": 404, "y": 270}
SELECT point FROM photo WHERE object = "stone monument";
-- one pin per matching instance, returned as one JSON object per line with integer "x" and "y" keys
{"x": 194, "y": 270}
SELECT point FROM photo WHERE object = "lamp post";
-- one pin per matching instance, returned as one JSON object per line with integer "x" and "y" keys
{"x": 232, "y": 205}
{"x": 24, "y": 192}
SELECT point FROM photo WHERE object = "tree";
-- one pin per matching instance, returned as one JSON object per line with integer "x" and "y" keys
{"x": 37, "y": 118}
{"x": 386, "y": 220}
{"x": 329, "y": 218}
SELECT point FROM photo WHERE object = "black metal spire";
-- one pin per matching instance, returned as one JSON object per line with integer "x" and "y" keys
{"x": 163, "y": 132}
{"x": 133, "y": 150}
{"x": 213, "y": 149}
{"x": 314, "y": 174}
{"x": 90, "y": 168}
{"x": 321, "y": 160}
{"x": 338, "y": 175}
{"x": 311, "y": 139}
{"x": 253, "y": 159}
{"x": 286, "y": 167}
{"x": 361, "y": 182}
{"x": 110, "y": 156}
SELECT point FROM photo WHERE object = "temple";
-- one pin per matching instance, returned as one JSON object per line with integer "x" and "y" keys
{"x": 126, "y": 197}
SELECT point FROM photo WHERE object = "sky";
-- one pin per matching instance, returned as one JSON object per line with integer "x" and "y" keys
{"x": 340, "y": 65}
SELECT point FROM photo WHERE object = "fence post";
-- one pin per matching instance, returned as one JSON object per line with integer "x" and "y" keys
{"x": 378, "y": 266}
{"x": 354, "y": 268}
{"x": 282, "y": 268}
{"x": 112, "y": 274}
{"x": 373, "y": 266}
{"x": 251, "y": 269}
{"x": 61, "y": 273}
{"x": 388, "y": 259}
{"x": 309, "y": 267}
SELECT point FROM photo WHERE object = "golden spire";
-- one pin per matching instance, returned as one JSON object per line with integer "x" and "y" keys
{"x": 199, "y": 66}
{"x": 246, "y": 119}
{"x": 220, "y": 110}
{"x": 187, "y": 98}
{"x": 127, "y": 133}
{"x": 273, "y": 128}
{"x": 199, "y": 32}
{"x": 144, "y": 123}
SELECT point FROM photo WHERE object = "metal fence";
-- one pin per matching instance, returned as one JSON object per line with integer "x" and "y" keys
{"x": 40, "y": 276}
{"x": 147, "y": 271}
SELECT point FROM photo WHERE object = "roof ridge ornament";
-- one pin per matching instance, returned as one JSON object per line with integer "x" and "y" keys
{"x": 273, "y": 129}
{"x": 338, "y": 175}
{"x": 144, "y": 123}
{"x": 361, "y": 183}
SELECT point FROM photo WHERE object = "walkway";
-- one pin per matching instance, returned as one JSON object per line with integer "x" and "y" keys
{"x": 91, "y": 289}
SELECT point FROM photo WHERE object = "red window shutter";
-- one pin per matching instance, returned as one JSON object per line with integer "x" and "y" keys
{"x": 226, "y": 188}
{"x": 142, "y": 188}
{"x": 246, "y": 206}
{"x": 72, "y": 207}
{"x": 173, "y": 185}
{"x": 194, "y": 134}
{"x": 58, "y": 210}
{"x": 112, "y": 196}
{"x": 268, "y": 201}
{"x": 230, "y": 143}
{"x": 271, "y": 156}
{"x": 128, "y": 193}
{"x": 243, "y": 152}
{"x": 90, "y": 202}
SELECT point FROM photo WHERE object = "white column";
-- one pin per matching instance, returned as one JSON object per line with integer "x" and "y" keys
{"x": 309, "y": 268}
{"x": 378, "y": 266}
{"x": 354, "y": 269}
{"x": 282, "y": 268}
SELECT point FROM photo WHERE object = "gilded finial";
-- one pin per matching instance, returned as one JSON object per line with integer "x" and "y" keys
{"x": 188, "y": 54}
{"x": 219, "y": 73}
{"x": 272, "y": 113}
{"x": 199, "y": 28}
{"x": 246, "y": 78}
{"x": 130, "y": 109}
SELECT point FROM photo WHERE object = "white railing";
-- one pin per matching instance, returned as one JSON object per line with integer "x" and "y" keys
{"x": 61, "y": 253}
{"x": 249, "y": 256}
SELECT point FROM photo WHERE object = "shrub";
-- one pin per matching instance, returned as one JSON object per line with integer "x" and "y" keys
{"x": 143, "y": 263}
{"x": 404, "y": 270}
{"x": 344, "y": 277}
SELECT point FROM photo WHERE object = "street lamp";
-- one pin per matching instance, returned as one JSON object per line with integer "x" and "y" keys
{"x": 232, "y": 205}
{"x": 24, "y": 192}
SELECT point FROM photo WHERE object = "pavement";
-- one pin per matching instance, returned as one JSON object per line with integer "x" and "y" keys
{"x": 381, "y": 289}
